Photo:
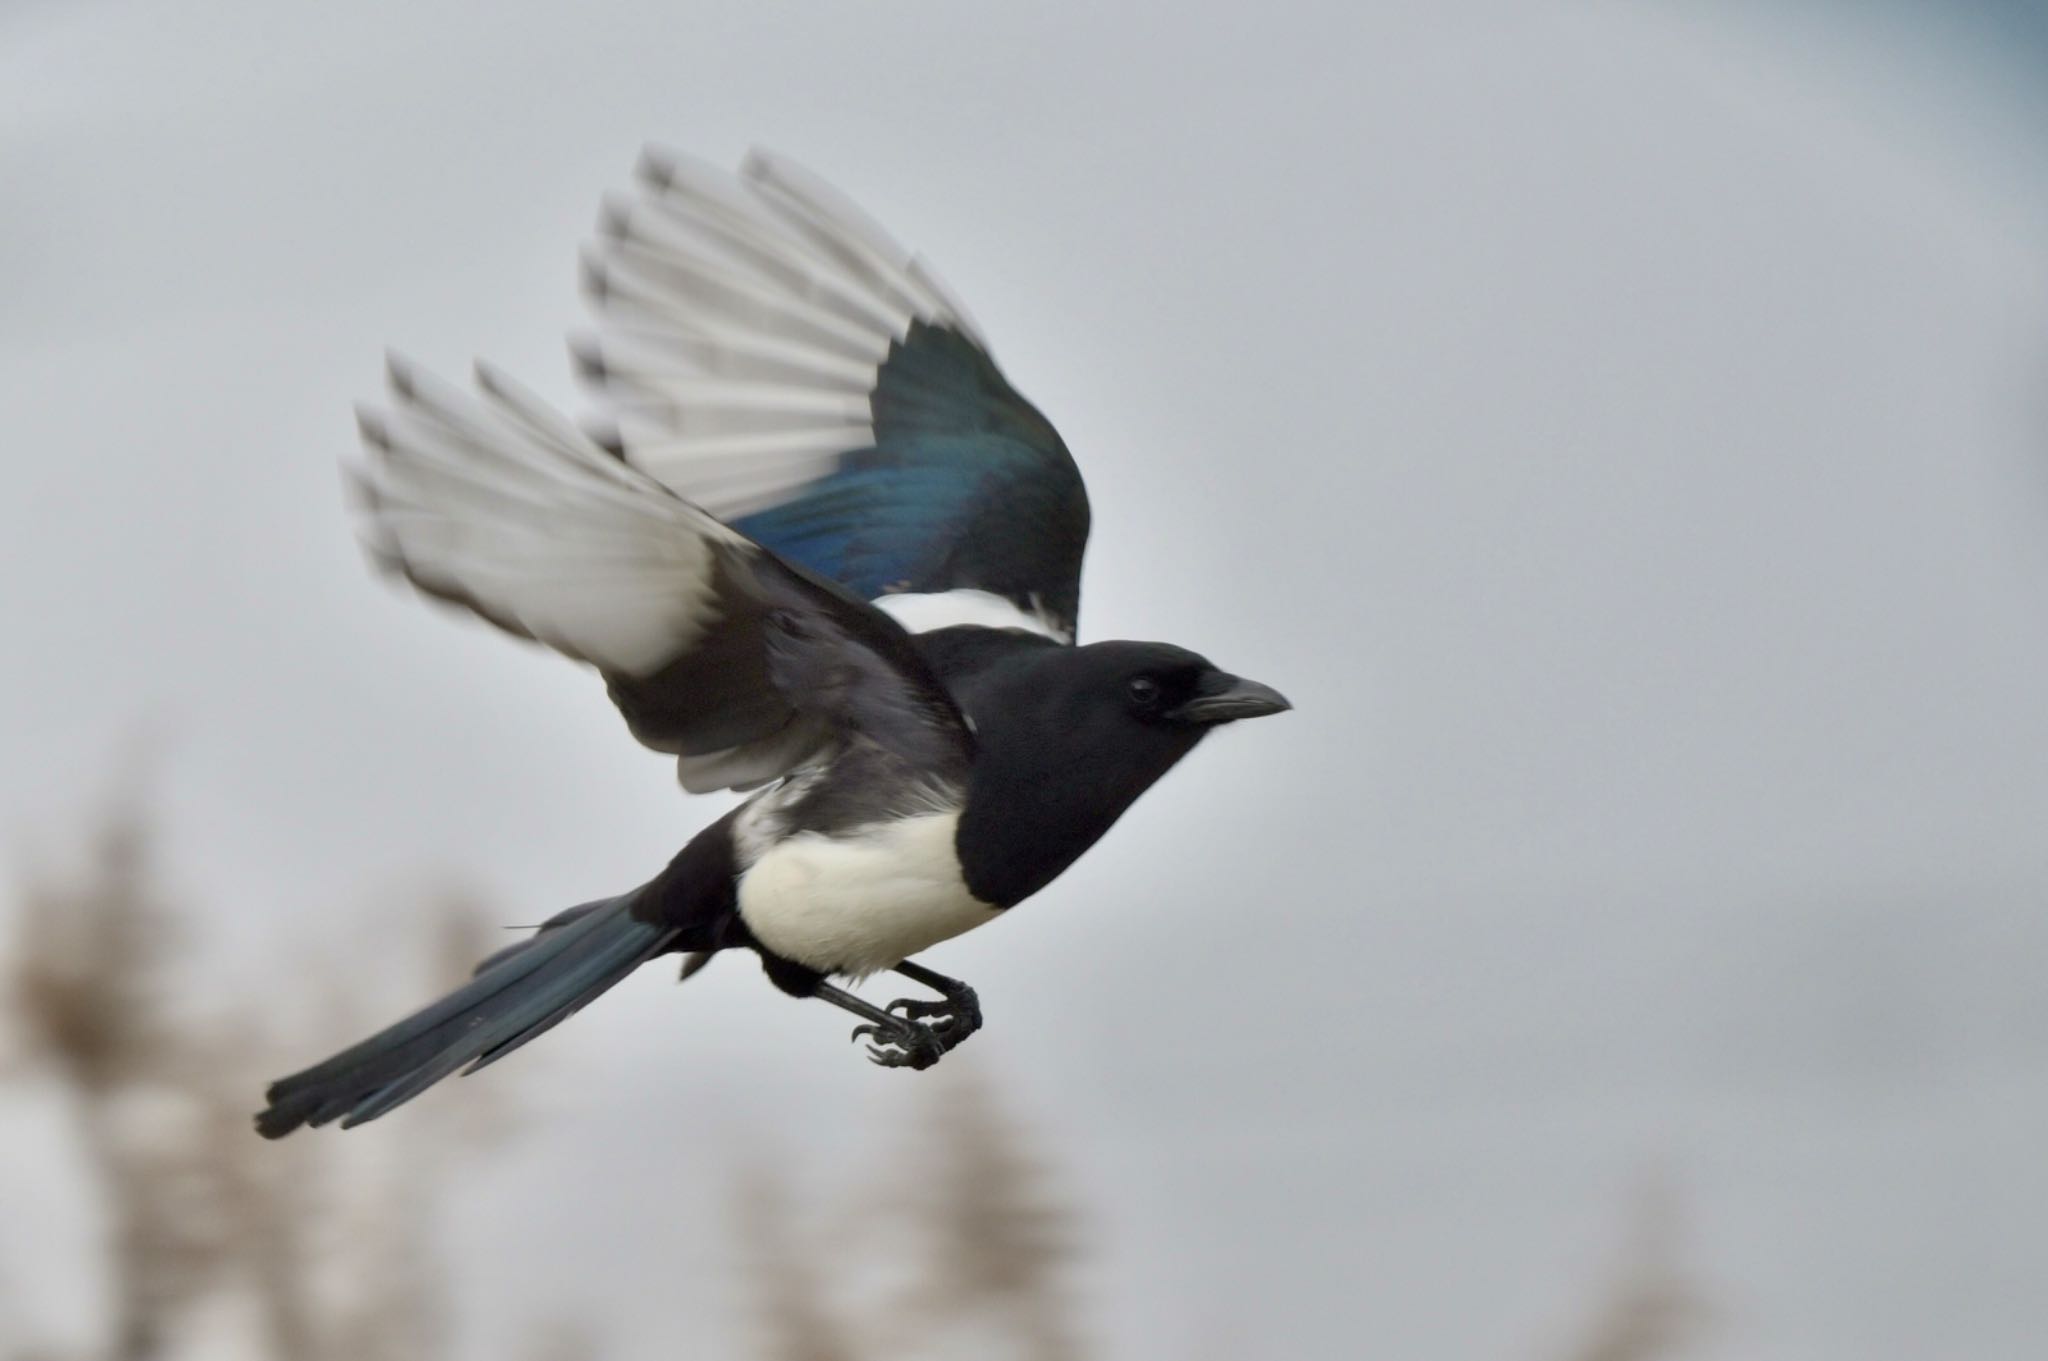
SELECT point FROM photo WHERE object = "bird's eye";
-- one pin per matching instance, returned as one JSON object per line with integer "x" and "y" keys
{"x": 1144, "y": 691}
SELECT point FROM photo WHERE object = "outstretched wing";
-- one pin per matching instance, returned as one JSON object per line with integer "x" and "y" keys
{"x": 771, "y": 355}
{"x": 716, "y": 651}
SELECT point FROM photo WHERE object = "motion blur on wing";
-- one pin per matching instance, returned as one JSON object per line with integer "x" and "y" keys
{"x": 819, "y": 549}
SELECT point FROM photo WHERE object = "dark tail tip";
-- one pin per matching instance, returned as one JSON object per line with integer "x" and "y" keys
{"x": 281, "y": 1116}
{"x": 524, "y": 993}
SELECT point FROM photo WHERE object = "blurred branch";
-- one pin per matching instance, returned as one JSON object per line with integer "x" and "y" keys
{"x": 793, "y": 1313}
{"x": 984, "y": 1242}
{"x": 1652, "y": 1309}
{"x": 333, "y": 1244}
{"x": 86, "y": 980}
{"x": 1000, "y": 1238}
{"x": 88, "y": 989}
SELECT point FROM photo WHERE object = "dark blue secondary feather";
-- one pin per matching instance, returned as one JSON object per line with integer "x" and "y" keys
{"x": 966, "y": 485}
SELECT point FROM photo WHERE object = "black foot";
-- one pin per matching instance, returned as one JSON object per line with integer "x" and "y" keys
{"x": 911, "y": 1033}
{"x": 924, "y": 1032}
{"x": 902, "y": 1043}
{"x": 952, "y": 1020}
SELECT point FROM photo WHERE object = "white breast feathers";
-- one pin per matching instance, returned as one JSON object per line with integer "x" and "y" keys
{"x": 861, "y": 901}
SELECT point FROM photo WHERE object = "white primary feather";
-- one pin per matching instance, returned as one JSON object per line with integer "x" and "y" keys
{"x": 504, "y": 505}
{"x": 742, "y": 320}
{"x": 860, "y": 902}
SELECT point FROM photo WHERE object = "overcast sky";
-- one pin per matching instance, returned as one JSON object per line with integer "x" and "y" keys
{"x": 1619, "y": 428}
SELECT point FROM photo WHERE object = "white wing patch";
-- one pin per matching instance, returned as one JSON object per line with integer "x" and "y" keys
{"x": 504, "y": 506}
{"x": 860, "y": 902}
{"x": 967, "y": 605}
{"x": 741, "y": 322}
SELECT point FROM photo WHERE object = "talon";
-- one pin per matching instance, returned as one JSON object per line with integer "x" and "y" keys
{"x": 913, "y": 1032}
{"x": 917, "y": 1050}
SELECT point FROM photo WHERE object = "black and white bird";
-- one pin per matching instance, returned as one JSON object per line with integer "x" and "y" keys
{"x": 819, "y": 549}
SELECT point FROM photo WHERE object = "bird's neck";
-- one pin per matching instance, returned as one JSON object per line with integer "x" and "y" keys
{"x": 1033, "y": 808}
{"x": 1050, "y": 775}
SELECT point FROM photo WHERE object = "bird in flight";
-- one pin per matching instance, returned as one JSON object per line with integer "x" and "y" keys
{"x": 819, "y": 549}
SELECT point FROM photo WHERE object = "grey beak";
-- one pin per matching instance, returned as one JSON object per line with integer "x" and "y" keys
{"x": 1224, "y": 698}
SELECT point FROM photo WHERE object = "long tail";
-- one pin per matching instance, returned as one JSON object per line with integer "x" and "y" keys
{"x": 517, "y": 994}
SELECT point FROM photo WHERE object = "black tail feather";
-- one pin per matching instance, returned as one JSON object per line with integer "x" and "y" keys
{"x": 516, "y": 995}
{"x": 554, "y": 923}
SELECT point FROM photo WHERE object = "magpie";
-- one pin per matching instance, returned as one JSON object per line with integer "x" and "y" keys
{"x": 820, "y": 551}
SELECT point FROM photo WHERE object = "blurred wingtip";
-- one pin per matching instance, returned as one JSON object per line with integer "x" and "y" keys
{"x": 762, "y": 164}
{"x": 606, "y": 436}
{"x": 614, "y": 216}
{"x": 657, "y": 166}
{"x": 592, "y": 277}
{"x": 372, "y": 428}
{"x": 402, "y": 374}
{"x": 588, "y": 356}
{"x": 358, "y": 491}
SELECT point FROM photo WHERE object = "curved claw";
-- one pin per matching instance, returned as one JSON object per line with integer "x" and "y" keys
{"x": 915, "y": 1047}
{"x": 919, "y": 1051}
{"x": 917, "y": 1032}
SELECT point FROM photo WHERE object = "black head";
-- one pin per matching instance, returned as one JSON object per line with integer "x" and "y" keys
{"x": 1158, "y": 685}
{"x": 1069, "y": 737}
{"x": 1120, "y": 714}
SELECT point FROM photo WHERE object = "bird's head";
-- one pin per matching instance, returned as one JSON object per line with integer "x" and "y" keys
{"x": 1158, "y": 685}
{"x": 1127, "y": 712}
{"x": 1070, "y": 737}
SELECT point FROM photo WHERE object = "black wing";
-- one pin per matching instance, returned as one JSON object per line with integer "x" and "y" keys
{"x": 716, "y": 651}
{"x": 771, "y": 355}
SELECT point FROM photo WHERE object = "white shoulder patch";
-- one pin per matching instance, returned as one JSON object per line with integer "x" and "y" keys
{"x": 967, "y": 605}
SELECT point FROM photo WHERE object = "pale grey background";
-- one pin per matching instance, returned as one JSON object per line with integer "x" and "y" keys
{"x": 1620, "y": 428}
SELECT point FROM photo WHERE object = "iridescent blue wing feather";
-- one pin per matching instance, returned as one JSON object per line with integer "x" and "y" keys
{"x": 773, "y": 357}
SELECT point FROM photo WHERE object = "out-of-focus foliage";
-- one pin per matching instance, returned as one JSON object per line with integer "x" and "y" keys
{"x": 968, "y": 1250}
{"x": 963, "y": 1247}
{"x": 314, "y": 1248}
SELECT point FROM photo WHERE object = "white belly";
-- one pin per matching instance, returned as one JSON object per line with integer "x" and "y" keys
{"x": 862, "y": 903}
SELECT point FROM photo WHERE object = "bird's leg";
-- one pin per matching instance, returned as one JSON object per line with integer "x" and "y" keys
{"x": 898, "y": 1041}
{"x": 952, "y": 1020}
